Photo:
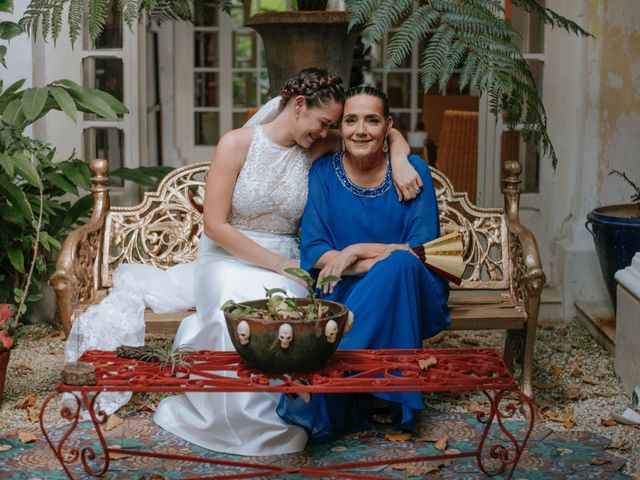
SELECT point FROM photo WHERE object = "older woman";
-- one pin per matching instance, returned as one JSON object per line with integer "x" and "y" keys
{"x": 355, "y": 227}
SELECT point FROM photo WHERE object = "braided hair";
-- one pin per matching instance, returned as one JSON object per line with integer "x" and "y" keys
{"x": 372, "y": 92}
{"x": 317, "y": 85}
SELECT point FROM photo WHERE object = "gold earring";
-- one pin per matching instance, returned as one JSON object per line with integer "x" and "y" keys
{"x": 385, "y": 145}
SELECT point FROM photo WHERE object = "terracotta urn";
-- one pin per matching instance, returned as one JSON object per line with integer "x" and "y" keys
{"x": 287, "y": 346}
{"x": 294, "y": 40}
{"x": 4, "y": 363}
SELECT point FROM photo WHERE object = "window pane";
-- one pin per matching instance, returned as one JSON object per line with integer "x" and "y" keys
{"x": 207, "y": 128}
{"x": 206, "y": 89}
{"x": 206, "y": 14}
{"x": 513, "y": 148}
{"x": 264, "y": 87}
{"x": 244, "y": 89}
{"x": 105, "y": 74}
{"x": 107, "y": 143}
{"x": 401, "y": 121}
{"x": 237, "y": 16}
{"x": 399, "y": 90}
{"x": 205, "y": 49}
{"x": 537, "y": 67}
{"x": 111, "y": 36}
{"x": 536, "y": 34}
{"x": 239, "y": 118}
{"x": 244, "y": 50}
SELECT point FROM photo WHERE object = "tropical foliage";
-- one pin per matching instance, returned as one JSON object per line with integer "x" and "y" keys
{"x": 470, "y": 36}
{"x": 40, "y": 199}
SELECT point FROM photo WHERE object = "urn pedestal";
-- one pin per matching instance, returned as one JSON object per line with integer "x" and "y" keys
{"x": 303, "y": 39}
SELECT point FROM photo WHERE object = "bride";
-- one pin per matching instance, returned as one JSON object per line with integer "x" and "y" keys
{"x": 256, "y": 192}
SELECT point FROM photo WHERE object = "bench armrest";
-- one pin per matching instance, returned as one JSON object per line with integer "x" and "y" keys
{"x": 527, "y": 276}
{"x": 77, "y": 276}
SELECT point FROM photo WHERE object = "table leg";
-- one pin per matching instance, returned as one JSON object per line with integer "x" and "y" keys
{"x": 506, "y": 454}
{"x": 67, "y": 454}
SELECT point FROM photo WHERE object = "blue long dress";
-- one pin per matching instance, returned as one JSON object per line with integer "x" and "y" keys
{"x": 397, "y": 304}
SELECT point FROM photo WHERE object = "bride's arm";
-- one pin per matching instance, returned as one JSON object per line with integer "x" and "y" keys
{"x": 231, "y": 152}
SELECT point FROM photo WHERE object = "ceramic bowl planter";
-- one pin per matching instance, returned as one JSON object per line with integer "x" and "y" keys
{"x": 290, "y": 345}
{"x": 616, "y": 233}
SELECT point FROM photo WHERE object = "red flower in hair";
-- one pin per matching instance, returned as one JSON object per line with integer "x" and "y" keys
{"x": 6, "y": 340}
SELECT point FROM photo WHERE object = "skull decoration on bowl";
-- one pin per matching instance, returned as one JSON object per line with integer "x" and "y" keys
{"x": 291, "y": 345}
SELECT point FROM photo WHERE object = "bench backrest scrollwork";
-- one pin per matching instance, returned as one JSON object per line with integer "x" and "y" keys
{"x": 164, "y": 229}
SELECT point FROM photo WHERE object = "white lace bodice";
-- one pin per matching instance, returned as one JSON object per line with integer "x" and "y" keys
{"x": 271, "y": 190}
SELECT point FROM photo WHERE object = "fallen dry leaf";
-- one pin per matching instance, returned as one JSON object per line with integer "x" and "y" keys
{"x": 564, "y": 451}
{"x": 32, "y": 414}
{"x": 22, "y": 368}
{"x": 398, "y": 437}
{"x": 471, "y": 341}
{"x": 339, "y": 448}
{"x": 26, "y": 437}
{"x": 576, "y": 371}
{"x": 561, "y": 331}
{"x": 29, "y": 401}
{"x": 600, "y": 461}
{"x": 441, "y": 443}
{"x": 147, "y": 408}
{"x": 564, "y": 348}
{"x": 621, "y": 445}
{"x": 589, "y": 380}
{"x": 545, "y": 385}
{"x": 608, "y": 422}
{"x": 574, "y": 393}
{"x": 557, "y": 370}
{"x": 473, "y": 406}
{"x": 4, "y": 447}
{"x": 546, "y": 324}
{"x": 425, "y": 363}
{"x": 455, "y": 334}
{"x": 112, "y": 422}
{"x": 568, "y": 420}
{"x": 605, "y": 394}
{"x": 117, "y": 456}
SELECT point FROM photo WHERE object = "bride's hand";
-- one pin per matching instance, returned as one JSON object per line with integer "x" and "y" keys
{"x": 288, "y": 263}
{"x": 406, "y": 179}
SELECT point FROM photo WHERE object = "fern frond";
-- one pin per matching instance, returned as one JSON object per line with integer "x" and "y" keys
{"x": 415, "y": 28}
{"x": 56, "y": 20}
{"x": 549, "y": 17}
{"x": 383, "y": 19}
{"x": 74, "y": 17}
{"x": 361, "y": 10}
{"x": 98, "y": 14}
{"x": 130, "y": 9}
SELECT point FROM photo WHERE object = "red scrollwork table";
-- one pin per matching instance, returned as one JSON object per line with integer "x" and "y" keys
{"x": 349, "y": 371}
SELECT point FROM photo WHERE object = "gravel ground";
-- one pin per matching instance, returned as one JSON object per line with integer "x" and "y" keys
{"x": 572, "y": 374}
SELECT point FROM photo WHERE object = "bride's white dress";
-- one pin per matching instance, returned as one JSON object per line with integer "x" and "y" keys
{"x": 268, "y": 202}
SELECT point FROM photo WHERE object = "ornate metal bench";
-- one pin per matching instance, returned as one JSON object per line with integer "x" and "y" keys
{"x": 500, "y": 290}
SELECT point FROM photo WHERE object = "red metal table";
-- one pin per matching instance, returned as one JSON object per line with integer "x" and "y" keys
{"x": 349, "y": 371}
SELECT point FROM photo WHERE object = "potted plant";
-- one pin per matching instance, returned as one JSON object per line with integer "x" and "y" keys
{"x": 39, "y": 198}
{"x": 616, "y": 234}
{"x": 282, "y": 334}
{"x": 473, "y": 37}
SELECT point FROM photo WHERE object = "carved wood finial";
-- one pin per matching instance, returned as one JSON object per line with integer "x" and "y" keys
{"x": 99, "y": 167}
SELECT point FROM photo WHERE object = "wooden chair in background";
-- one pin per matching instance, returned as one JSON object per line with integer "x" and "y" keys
{"x": 458, "y": 150}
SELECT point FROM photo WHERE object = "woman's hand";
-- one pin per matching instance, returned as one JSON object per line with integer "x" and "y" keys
{"x": 337, "y": 266}
{"x": 405, "y": 179}
{"x": 285, "y": 263}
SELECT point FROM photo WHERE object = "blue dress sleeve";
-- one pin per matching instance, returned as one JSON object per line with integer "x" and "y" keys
{"x": 422, "y": 223}
{"x": 315, "y": 237}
